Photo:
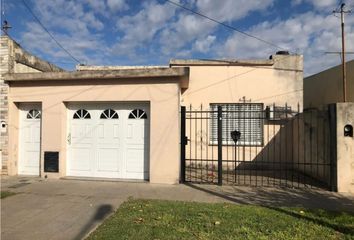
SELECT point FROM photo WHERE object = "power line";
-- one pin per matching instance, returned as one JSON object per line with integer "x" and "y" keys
{"x": 45, "y": 29}
{"x": 225, "y": 25}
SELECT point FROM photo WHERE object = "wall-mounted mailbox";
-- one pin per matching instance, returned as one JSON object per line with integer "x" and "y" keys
{"x": 235, "y": 135}
{"x": 51, "y": 161}
{"x": 348, "y": 130}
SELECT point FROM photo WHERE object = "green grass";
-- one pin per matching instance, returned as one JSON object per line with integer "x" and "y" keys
{"x": 155, "y": 219}
{"x": 5, "y": 194}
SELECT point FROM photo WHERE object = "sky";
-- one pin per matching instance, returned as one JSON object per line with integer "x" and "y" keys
{"x": 151, "y": 32}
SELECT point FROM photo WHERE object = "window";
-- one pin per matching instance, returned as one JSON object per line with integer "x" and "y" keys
{"x": 244, "y": 117}
{"x": 109, "y": 114}
{"x": 82, "y": 114}
{"x": 33, "y": 114}
{"x": 137, "y": 114}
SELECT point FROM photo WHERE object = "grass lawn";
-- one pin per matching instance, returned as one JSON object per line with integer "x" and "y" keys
{"x": 5, "y": 194}
{"x": 155, "y": 219}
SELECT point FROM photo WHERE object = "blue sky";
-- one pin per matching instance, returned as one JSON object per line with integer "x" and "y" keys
{"x": 150, "y": 32}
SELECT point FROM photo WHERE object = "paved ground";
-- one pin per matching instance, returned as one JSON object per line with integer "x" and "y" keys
{"x": 69, "y": 209}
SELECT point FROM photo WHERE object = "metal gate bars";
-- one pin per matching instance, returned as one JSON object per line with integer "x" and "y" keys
{"x": 249, "y": 144}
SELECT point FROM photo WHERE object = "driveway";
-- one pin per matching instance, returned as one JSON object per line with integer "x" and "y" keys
{"x": 70, "y": 209}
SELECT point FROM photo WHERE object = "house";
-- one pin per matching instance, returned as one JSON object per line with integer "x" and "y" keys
{"x": 13, "y": 59}
{"x": 328, "y": 86}
{"x": 124, "y": 122}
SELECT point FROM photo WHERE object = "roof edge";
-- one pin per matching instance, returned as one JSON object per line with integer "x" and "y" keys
{"x": 98, "y": 74}
{"x": 220, "y": 62}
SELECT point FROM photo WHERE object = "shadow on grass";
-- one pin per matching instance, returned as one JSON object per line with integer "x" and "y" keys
{"x": 337, "y": 227}
{"x": 101, "y": 213}
{"x": 335, "y": 204}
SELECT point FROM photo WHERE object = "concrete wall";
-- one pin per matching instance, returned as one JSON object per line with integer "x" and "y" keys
{"x": 13, "y": 59}
{"x": 312, "y": 144}
{"x": 327, "y": 87}
{"x": 345, "y": 148}
{"x": 162, "y": 94}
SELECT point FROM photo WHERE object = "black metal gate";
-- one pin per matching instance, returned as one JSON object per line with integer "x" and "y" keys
{"x": 249, "y": 144}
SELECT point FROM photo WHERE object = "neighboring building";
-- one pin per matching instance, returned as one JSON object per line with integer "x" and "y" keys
{"x": 327, "y": 86}
{"x": 124, "y": 122}
{"x": 13, "y": 59}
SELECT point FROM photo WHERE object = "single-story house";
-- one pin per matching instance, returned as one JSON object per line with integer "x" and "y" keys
{"x": 124, "y": 122}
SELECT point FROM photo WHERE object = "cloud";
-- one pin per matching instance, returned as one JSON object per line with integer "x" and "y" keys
{"x": 203, "y": 45}
{"x": 117, "y": 5}
{"x": 305, "y": 33}
{"x": 323, "y": 3}
{"x": 140, "y": 28}
{"x": 231, "y": 10}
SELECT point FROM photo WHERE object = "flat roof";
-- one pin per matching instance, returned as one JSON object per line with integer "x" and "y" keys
{"x": 221, "y": 62}
{"x": 100, "y": 74}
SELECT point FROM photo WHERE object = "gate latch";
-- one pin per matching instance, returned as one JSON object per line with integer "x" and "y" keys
{"x": 185, "y": 140}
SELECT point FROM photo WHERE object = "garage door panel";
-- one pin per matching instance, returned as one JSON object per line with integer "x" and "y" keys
{"x": 108, "y": 160}
{"x": 135, "y": 159}
{"x": 135, "y": 132}
{"x": 81, "y": 132}
{"x": 81, "y": 159}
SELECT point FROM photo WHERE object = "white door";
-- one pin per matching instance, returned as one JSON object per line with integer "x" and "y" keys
{"x": 108, "y": 140}
{"x": 30, "y": 139}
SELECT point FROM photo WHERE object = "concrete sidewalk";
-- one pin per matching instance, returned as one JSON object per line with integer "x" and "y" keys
{"x": 69, "y": 209}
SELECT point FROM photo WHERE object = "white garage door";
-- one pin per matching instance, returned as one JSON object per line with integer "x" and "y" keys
{"x": 30, "y": 139}
{"x": 108, "y": 140}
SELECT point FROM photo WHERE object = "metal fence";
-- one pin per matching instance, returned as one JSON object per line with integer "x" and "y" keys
{"x": 253, "y": 145}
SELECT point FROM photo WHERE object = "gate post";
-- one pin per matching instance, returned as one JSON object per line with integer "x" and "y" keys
{"x": 219, "y": 145}
{"x": 183, "y": 144}
{"x": 332, "y": 109}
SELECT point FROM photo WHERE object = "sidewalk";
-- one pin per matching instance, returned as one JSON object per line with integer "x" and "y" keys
{"x": 69, "y": 209}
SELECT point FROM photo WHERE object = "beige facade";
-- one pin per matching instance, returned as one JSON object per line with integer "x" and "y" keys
{"x": 274, "y": 81}
{"x": 161, "y": 93}
{"x": 13, "y": 59}
{"x": 186, "y": 82}
{"x": 326, "y": 87}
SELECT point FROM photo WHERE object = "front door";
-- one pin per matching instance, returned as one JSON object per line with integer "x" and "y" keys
{"x": 30, "y": 139}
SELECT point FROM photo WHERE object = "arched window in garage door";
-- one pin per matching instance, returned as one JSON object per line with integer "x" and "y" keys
{"x": 82, "y": 114}
{"x": 137, "y": 114}
{"x": 109, "y": 114}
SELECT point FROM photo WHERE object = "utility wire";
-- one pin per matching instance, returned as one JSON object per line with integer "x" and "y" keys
{"x": 45, "y": 29}
{"x": 225, "y": 25}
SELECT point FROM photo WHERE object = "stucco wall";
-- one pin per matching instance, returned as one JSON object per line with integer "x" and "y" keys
{"x": 281, "y": 83}
{"x": 162, "y": 94}
{"x": 345, "y": 148}
{"x": 327, "y": 87}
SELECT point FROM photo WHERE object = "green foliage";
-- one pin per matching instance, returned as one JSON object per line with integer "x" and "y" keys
{"x": 155, "y": 219}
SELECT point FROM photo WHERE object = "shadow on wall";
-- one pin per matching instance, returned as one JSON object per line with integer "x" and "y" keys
{"x": 101, "y": 213}
{"x": 298, "y": 151}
